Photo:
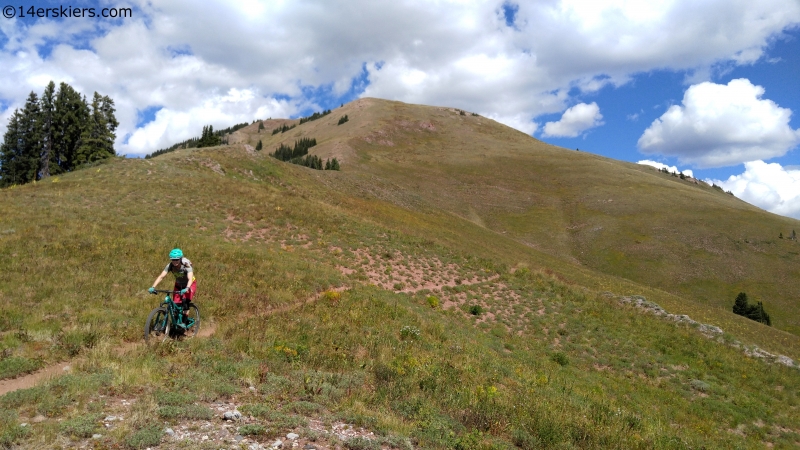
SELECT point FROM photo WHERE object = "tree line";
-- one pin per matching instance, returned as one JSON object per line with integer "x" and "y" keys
{"x": 56, "y": 133}
{"x": 299, "y": 155}
{"x": 208, "y": 138}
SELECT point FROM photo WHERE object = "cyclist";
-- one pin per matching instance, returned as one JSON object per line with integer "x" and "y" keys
{"x": 185, "y": 282}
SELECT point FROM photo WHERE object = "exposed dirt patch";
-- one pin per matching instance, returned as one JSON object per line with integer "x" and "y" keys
{"x": 32, "y": 379}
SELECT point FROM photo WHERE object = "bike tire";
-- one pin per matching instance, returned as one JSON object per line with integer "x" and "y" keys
{"x": 158, "y": 325}
{"x": 193, "y": 313}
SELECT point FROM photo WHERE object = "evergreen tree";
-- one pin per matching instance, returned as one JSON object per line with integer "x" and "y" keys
{"x": 753, "y": 312}
{"x": 31, "y": 139}
{"x": 260, "y": 126}
{"x": 259, "y": 146}
{"x": 70, "y": 120}
{"x": 48, "y": 108}
{"x": 208, "y": 138}
{"x": 740, "y": 305}
{"x": 97, "y": 139}
{"x": 11, "y": 151}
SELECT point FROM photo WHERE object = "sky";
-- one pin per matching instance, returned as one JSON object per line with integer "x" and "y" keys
{"x": 706, "y": 87}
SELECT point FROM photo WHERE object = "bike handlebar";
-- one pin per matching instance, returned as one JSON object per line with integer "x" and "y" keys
{"x": 162, "y": 291}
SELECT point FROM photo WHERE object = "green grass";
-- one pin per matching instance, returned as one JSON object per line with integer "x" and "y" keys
{"x": 15, "y": 366}
{"x": 552, "y": 359}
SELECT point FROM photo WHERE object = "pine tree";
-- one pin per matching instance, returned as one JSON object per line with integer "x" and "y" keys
{"x": 31, "y": 139}
{"x": 260, "y": 126}
{"x": 740, "y": 305}
{"x": 48, "y": 108}
{"x": 11, "y": 151}
{"x": 97, "y": 139}
{"x": 259, "y": 146}
{"x": 70, "y": 120}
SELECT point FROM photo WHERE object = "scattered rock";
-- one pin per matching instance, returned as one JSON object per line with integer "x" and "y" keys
{"x": 232, "y": 415}
{"x": 292, "y": 436}
{"x": 97, "y": 436}
{"x": 170, "y": 431}
{"x": 277, "y": 444}
{"x": 709, "y": 331}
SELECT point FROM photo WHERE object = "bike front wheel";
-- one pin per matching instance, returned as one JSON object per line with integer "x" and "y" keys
{"x": 193, "y": 317}
{"x": 158, "y": 325}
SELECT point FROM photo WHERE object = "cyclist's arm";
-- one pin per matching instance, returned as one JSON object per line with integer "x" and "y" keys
{"x": 189, "y": 278}
{"x": 160, "y": 277}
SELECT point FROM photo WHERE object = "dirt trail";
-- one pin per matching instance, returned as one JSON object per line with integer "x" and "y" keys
{"x": 35, "y": 378}
{"x": 206, "y": 330}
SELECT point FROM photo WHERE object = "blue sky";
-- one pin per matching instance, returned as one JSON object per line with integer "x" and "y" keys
{"x": 629, "y": 109}
{"x": 708, "y": 87}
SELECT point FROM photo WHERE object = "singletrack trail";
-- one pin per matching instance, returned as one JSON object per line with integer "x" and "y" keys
{"x": 32, "y": 379}
{"x": 206, "y": 330}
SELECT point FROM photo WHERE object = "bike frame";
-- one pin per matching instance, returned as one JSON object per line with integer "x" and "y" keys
{"x": 175, "y": 311}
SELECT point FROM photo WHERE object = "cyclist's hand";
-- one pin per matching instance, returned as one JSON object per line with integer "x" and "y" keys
{"x": 152, "y": 290}
{"x": 184, "y": 290}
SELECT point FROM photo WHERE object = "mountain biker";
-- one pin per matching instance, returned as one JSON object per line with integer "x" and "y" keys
{"x": 185, "y": 282}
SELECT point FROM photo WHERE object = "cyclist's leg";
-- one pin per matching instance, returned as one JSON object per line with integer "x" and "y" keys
{"x": 189, "y": 296}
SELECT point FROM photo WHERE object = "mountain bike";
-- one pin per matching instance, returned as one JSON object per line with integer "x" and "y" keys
{"x": 168, "y": 321}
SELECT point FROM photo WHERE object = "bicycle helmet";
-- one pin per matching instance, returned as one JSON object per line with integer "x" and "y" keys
{"x": 176, "y": 254}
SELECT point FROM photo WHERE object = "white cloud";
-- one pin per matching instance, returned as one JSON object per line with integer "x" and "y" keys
{"x": 721, "y": 125}
{"x": 670, "y": 169}
{"x": 171, "y": 126}
{"x": 768, "y": 186}
{"x": 575, "y": 121}
{"x": 451, "y": 52}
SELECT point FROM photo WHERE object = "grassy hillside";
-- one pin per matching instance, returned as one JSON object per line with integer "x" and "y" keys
{"x": 680, "y": 236}
{"x": 409, "y": 294}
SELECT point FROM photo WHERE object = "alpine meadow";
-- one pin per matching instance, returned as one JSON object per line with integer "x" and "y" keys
{"x": 447, "y": 283}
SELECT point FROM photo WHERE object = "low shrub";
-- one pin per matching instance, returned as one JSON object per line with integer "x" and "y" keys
{"x": 81, "y": 427}
{"x": 15, "y": 366}
{"x": 149, "y": 436}
{"x": 559, "y": 358}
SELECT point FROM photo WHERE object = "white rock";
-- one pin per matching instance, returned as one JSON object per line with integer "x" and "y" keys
{"x": 97, "y": 436}
{"x": 277, "y": 444}
{"x": 170, "y": 431}
{"x": 232, "y": 415}
{"x": 292, "y": 436}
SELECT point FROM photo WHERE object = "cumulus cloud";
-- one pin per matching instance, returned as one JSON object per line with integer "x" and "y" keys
{"x": 768, "y": 186}
{"x": 721, "y": 125}
{"x": 575, "y": 121}
{"x": 179, "y": 54}
{"x": 671, "y": 169}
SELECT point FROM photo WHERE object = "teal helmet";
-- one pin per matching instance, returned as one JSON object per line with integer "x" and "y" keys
{"x": 176, "y": 254}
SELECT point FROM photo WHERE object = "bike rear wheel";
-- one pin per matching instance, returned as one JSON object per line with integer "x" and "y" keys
{"x": 193, "y": 313}
{"x": 158, "y": 325}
